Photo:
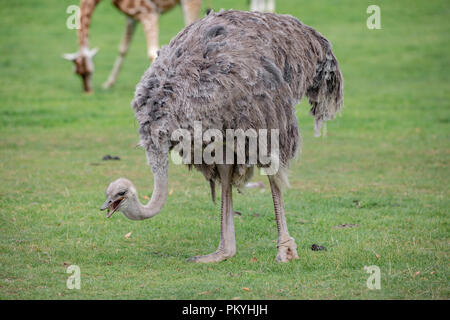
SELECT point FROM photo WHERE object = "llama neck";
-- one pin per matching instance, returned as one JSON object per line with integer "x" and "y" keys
{"x": 87, "y": 7}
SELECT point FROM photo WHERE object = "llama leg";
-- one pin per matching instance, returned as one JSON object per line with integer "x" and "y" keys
{"x": 270, "y": 6}
{"x": 287, "y": 249}
{"x": 150, "y": 24}
{"x": 191, "y": 10}
{"x": 125, "y": 44}
{"x": 227, "y": 245}
{"x": 257, "y": 5}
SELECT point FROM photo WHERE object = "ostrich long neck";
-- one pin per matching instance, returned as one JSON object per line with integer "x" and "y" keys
{"x": 135, "y": 210}
{"x": 87, "y": 7}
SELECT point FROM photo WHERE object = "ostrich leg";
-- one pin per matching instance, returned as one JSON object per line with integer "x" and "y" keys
{"x": 287, "y": 249}
{"x": 227, "y": 245}
{"x": 129, "y": 31}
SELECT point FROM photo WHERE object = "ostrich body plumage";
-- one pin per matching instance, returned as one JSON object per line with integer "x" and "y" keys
{"x": 231, "y": 70}
{"x": 238, "y": 70}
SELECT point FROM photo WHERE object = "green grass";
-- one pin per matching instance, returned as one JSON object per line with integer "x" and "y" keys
{"x": 383, "y": 166}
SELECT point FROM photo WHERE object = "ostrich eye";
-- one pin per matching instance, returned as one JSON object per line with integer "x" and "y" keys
{"x": 121, "y": 193}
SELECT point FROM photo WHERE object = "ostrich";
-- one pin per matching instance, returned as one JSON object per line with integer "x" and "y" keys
{"x": 231, "y": 70}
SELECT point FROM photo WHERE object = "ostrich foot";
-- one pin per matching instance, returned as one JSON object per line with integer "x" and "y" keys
{"x": 212, "y": 257}
{"x": 287, "y": 250}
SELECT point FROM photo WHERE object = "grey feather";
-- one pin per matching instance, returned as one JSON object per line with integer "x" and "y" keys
{"x": 238, "y": 70}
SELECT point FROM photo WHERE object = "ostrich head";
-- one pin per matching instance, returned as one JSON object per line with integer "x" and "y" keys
{"x": 84, "y": 65}
{"x": 121, "y": 195}
{"x": 118, "y": 196}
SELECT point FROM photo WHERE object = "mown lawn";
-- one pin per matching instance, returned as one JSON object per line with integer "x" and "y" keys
{"x": 383, "y": 166}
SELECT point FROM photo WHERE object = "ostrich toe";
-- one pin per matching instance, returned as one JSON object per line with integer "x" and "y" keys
{"x": 216, "y": 256}
{"x": 287, "y": 250}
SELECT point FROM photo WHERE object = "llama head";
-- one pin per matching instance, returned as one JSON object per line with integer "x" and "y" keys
{"x": 84, "y": 65}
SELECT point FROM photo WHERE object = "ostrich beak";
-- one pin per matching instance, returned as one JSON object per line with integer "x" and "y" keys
{"x": 105, "y": 205}
{"x": 111, "y": 206}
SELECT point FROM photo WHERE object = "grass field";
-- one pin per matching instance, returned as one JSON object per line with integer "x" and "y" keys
{"x": 383, "y": 166}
